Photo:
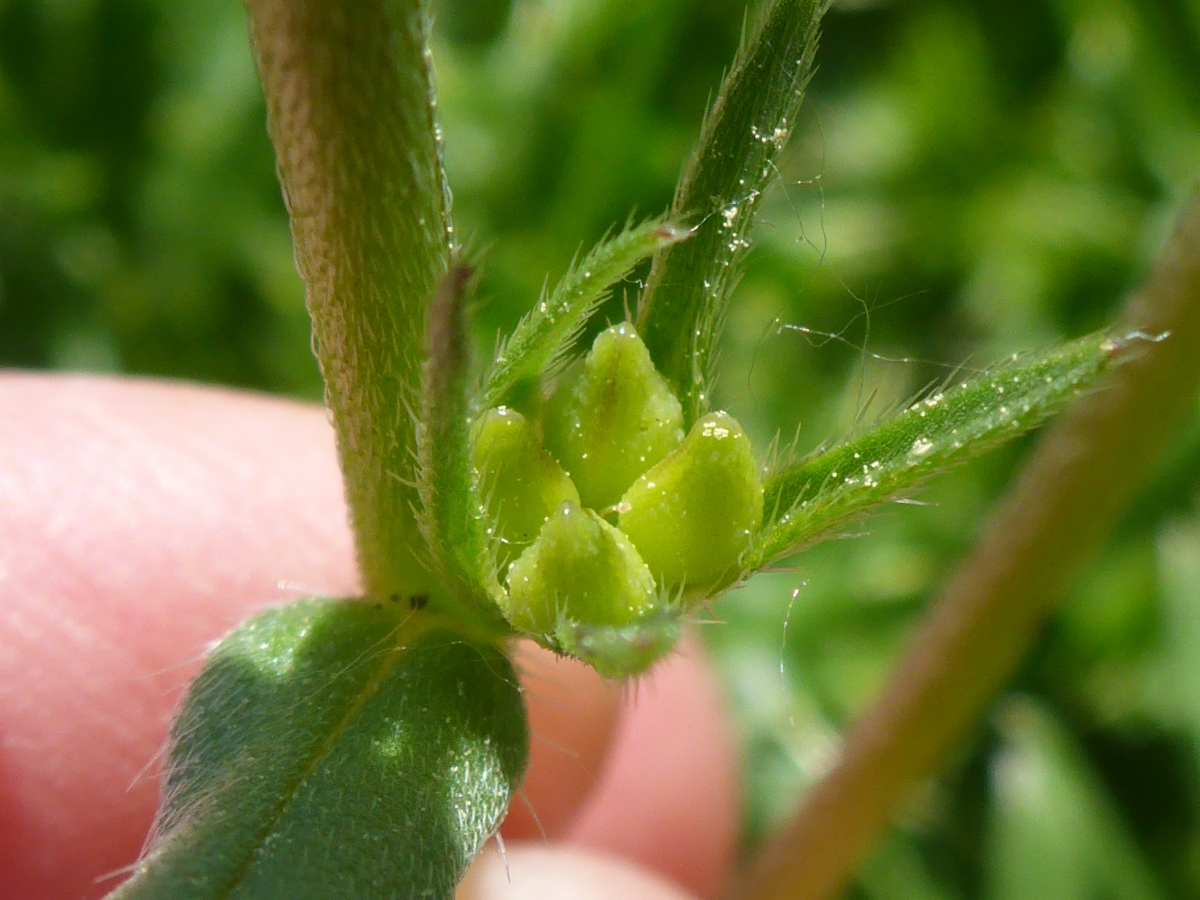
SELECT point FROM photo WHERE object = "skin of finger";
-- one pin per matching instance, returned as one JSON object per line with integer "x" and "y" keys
{"x": 676, "y": 761}
{"x": 572, "y": 717}
{"x": 139, "y": 521}
{"x": 529, "y": 872}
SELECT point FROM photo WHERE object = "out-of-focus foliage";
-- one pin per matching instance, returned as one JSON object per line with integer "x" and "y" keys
{"x": 968, "y": 179}
{"x": 140, "y": 223}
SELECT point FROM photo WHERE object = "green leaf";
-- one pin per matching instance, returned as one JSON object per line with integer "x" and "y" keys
{"x": 335, "y": 748}
{"x": 687, "y": 294}
{"x": 351, "y": 106}
{"x": 544, "y": 337}
{"x": 449, "y": 514}
{"x": 805, "y": 502}
{"x": 1053, "y": 829}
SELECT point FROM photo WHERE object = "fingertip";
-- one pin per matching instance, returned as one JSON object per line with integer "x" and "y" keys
{"x": 669, "y": 798}
{"x": 143, "y": 520}
{"x": 139, "y": 521}
{"x": 532, "y": 872}
{"x": 572, "y": 718}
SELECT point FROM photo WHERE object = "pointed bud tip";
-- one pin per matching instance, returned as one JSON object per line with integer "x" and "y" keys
{"x": 613, "y": 419}
{"x": 691, "y": 516}
{"x": 670, "y": 233}
{"x": 582, "y": 570}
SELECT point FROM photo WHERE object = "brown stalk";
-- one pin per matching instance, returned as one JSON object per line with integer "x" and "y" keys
{"x": 1050, "y": 525}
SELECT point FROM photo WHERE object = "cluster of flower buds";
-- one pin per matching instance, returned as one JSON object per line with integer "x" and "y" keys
{"x": 608, "y": 520}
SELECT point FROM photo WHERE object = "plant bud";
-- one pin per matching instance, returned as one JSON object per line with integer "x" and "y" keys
{"x": 520, "y": 482}
{"x": 579, "y": 571}
{"x": 621, "y": 651}
{"x": 612, "y": 417}
{"x": 691, "y": 516}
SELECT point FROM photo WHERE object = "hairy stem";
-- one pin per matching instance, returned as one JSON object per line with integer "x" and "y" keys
{"x": 351, "y": 112}
{"x": 1049, "y": 526}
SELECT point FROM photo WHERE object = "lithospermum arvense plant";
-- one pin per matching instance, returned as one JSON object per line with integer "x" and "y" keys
{"x": 587, "y": 497}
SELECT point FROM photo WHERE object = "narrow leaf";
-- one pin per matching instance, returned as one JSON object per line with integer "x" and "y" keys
{"x": 335, "y": 748}
{"x": 544, "y": 337}
{"x": 450, "y": 515}
{"x": 351, "y": 112}
{"x": 747, "y": 127}
{"x": 805, "y": 502}
{"x": 1054, "y": 829}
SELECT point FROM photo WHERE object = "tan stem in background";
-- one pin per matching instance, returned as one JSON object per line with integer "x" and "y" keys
{"x": 1053, "y": 521}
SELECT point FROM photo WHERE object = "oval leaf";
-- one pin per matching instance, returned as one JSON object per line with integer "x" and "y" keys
{"x": 335, "y": 749}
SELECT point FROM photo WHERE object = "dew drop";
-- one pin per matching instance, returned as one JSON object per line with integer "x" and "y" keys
{"x": 920, "y": 447}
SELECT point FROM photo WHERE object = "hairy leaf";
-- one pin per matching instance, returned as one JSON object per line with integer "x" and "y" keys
{"x": 450, "y": 515}
{"x": 746, "y": 129}
{"x": 335, "y": 748}
{"x": 544, "y": 337}
{"x": 805, "y": 502}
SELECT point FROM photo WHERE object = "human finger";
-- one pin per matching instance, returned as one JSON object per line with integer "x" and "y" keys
{"x": 670, "y": 796}
{"x": 139, "y": 521}
{"x": 539, "y": 872}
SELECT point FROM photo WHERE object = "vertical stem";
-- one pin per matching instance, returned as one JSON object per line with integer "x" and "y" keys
{"x": 1051, "y": 523}
{"x": 351, "y": 112}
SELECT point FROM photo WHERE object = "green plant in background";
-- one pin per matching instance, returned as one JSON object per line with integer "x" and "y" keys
{"x": 589, "y": 502}
{"x": 1006, "y": 206}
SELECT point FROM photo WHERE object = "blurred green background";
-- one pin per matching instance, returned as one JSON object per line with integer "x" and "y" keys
{"x": 968, "y": 179}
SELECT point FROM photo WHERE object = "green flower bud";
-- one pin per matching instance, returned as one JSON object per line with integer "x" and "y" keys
{"x": 520, "y": 482}
{"x": 612, "y": 417}
{"x": 581, "y": 571}
{"x": 691, "y": 516}
{"x": 620, "y": 651}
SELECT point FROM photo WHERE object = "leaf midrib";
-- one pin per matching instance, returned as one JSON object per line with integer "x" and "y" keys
{"x": 389, "y": 658}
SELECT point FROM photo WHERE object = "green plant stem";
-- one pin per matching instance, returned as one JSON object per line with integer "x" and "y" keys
{"x": 351, "y": 112}
{"x": 1049, "y": 526}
